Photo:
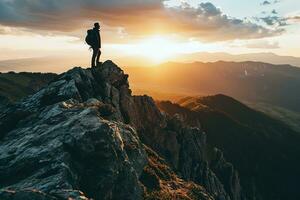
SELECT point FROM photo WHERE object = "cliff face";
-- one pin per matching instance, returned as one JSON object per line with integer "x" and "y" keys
{"x": 85, "y": 136}
{"x": 263, "y": 150}
{"x": 185, "y": 149}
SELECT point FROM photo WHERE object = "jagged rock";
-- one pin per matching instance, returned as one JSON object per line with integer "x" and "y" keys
{"x": 182, "y": 147}
{"x": 82, "y": 136}
{"x": 227, "y": 174}
{"x": 215, "y": 168}
{"x": 57, "y": 140}
{"x": 163, "y": 183}
{"x": 67, "y": 146}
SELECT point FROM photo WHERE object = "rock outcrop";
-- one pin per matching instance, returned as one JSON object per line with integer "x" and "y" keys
{"x": 85, "y": 136}
{"x": 185, "y": 149}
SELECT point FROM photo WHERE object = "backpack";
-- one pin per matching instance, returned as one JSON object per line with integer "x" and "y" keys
{"x": 89, "y": 39}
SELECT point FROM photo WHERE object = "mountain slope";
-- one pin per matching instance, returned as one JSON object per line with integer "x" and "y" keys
{"x": 61, "y": 62}
{"x": 252, "y": 82}
{"x": 257, "y": 57}
{"x": 14, "y": 86}
{"x": 85, "y": 136}
{"x": 264, "y": 151}
{"x": 247, "y": 81}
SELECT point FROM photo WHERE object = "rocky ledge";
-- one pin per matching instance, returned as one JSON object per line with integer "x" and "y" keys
{"x": 85, "y": 136}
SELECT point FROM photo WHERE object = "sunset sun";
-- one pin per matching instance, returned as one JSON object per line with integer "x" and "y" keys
{"x": 157, "y": 48}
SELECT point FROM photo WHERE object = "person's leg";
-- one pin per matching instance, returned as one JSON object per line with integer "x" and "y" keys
{"x": 95, "y": 51}
{"x": 98, "y": 55}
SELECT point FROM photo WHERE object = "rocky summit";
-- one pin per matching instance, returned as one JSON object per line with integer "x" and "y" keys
{"x": 85, "y": 136}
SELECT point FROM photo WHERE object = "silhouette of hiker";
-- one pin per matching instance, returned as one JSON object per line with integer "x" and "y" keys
{"x": 93, "y": 39}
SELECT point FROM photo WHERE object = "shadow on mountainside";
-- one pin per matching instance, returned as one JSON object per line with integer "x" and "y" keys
{"x": 264, "y": 151}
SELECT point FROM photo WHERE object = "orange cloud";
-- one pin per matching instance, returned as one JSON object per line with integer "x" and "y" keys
{"x": 136, "y": 18}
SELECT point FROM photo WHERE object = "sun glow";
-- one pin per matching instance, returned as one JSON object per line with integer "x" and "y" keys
{"x": 161, "y": 48}
{"x": 157, "y": 48}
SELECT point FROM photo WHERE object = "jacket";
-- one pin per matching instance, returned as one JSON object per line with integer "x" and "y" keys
{"x": 96, "y": 38}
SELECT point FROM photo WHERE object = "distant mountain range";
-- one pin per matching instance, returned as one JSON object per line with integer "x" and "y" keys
{"x": 256, "y": 57}
{"x": 59, "y": 64}
{"x": 254, "y": 82}
{"x": 266, "y": 87}
{"x": 56, "y": 64}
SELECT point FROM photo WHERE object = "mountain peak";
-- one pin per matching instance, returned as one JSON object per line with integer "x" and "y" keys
{"x": 85, "y": 136}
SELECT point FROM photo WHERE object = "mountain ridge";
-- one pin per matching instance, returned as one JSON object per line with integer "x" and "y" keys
{"x": 84, "y": 136}
{"x": 107, "y": 138}
{"x": 262, "y": 149}
{"x": 246, "y": 81}
{"x": 58, "y": 63}
{"x": 256, "y": 57}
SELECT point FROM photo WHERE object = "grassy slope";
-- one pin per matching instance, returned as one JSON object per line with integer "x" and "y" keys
{"x": 161, "y": 183}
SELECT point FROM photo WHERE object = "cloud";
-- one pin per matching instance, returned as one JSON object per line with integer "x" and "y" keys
{"x": 262, "y": 44}
{"x": 209, "y": 22}
{"x": 131, "y": 18}
{"x": 274, "y": 12}
{"x": 66, "y": 15}
{"x": 275, "y": 21}
{"x": 265, "y": 3}
{"x": 295, "y": 18}
{"x": 6, "y": 30}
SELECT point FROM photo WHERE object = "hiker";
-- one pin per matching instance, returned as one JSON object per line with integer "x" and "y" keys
{"x": 93, "y": 39}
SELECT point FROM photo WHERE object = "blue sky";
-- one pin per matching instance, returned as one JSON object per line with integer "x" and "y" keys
{"x": 244, "y": 8}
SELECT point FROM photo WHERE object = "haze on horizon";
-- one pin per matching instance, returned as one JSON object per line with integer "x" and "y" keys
{"x": 152, "y": 31}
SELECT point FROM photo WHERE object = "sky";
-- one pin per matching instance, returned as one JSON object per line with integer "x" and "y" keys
{"x": 156, "y": 30}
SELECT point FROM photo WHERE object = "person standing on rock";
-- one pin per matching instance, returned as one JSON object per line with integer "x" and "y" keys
{"x": 93, "y": 39}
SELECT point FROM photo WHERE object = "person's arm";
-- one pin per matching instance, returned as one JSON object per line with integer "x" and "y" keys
{"x": 99, "y": 39}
